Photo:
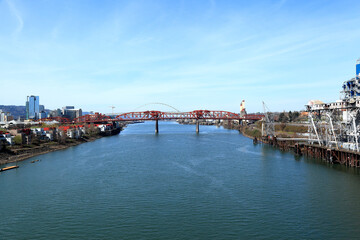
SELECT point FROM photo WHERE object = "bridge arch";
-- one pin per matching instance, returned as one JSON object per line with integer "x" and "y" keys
{"x": 157, "y": 103}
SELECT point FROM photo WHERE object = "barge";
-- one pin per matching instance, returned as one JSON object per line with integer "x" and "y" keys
{"x": 8, "y": 168}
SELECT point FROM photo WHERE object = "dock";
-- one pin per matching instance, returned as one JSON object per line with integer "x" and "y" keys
{"x": 331, "y": 155}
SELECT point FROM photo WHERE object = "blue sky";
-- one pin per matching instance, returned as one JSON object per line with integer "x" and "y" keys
{"x": 189, "y": 54}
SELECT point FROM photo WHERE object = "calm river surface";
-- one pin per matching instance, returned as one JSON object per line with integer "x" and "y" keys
{"x": 178, "y": 185}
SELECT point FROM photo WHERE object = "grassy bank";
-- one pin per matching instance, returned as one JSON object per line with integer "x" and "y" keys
{"x": 284, "y": 130}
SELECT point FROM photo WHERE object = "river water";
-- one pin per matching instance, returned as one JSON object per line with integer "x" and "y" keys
{"x": 178, "y": 185}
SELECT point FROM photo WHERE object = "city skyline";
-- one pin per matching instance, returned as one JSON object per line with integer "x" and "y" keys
{"x": 202, "y": 55}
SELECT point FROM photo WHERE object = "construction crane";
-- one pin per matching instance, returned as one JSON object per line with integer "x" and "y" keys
{"x": 112, "y": 109}
{"x": 268, "y": 127}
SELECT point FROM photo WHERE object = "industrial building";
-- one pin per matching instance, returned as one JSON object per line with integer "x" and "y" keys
{"x": 337, "y": 124}
{"x": 351, "y": 88}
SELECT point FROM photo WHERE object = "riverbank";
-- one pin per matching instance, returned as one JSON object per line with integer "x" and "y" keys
{"x": 290, "y": 141}
{"x": 16, "y": 153}
{"x": 10, "y": 155}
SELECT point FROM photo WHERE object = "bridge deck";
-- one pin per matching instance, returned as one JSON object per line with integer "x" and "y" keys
{"x": 158, "y": 115}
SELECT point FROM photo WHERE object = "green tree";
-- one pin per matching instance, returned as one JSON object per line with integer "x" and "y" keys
{"x": 35, "y": 140}
{"x": 283, "y": 118}
{"x": 92, "y": 130}
{"x": 296, "y": 115}
{"x": 18, "y": 140}
{"x": 61, "y": 137}
{"x": 291, "y": 116}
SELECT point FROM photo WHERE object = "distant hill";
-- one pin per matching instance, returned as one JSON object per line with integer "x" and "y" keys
{"x": 15, "y": 111}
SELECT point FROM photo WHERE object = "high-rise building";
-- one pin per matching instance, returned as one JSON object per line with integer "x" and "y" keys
{"x": 2, "y": 116}
{"x": 32, "y": 107}
{"x": 358, "y": 67}
{"x": 42, "y": 114}
{"x": 56, "y": 113}
{"x": 71, "y": 113}
{"x": 64, "y": 109}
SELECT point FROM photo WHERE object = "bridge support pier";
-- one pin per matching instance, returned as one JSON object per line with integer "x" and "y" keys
{"x": 157, "y": 126}
{"x": 197, "y": 126}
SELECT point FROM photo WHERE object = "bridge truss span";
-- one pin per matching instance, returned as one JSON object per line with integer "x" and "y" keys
{"x": 197, "y": 114}
{"x": 158, "y": 115}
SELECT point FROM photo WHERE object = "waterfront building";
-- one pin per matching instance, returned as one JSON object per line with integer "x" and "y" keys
{"x": 74, "y": 133}
{"x": 49, "y": 135}
{"x": 32, "y": 107}
{"x": 6, "y": 137}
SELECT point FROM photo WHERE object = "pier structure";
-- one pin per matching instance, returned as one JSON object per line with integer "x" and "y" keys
{"x": 330, "y": 155}
{"x": 157, "y": 126}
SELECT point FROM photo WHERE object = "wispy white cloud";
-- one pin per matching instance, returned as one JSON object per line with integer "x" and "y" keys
{"x": 17, "y": 15}
{"x": 132, "y": 53}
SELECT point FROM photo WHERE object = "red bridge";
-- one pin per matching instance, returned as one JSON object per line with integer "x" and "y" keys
{"x": 157, "y": 115}
{"x": 198, "y": 114}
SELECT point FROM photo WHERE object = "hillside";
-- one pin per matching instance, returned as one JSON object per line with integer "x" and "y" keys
{"x": 15, "y": 111}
